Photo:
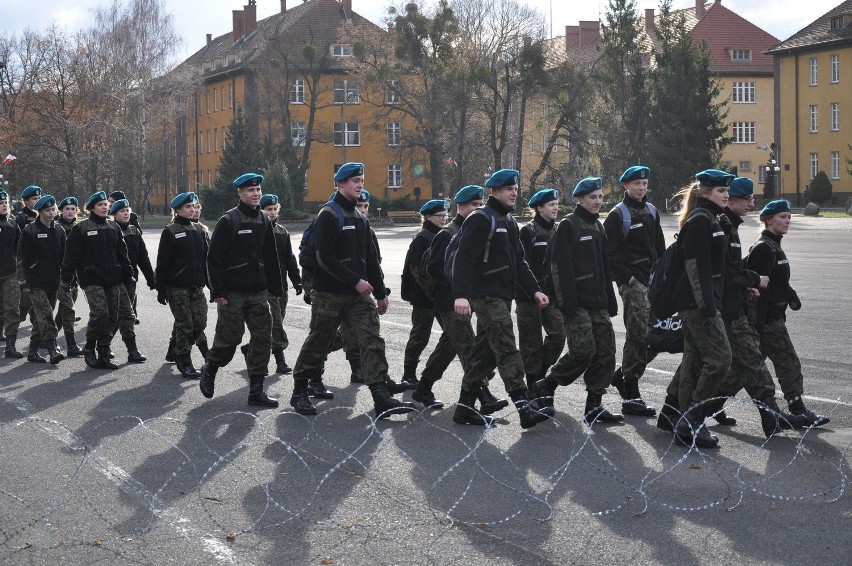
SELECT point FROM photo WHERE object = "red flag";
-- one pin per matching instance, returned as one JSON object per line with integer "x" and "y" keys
{"x": 9, "y": 158}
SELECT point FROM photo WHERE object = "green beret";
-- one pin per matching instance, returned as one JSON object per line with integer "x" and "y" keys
{"x": 433, "y": 206}
{"x": 543, "y": 196}
{"x": 587, "y": 185}
{"x": 635, "y": 173}
{"x": 469, "y": 193}
{"x": 31, "y": 191}
{"x": 4, "y": 195}
{"x": 364, "y": 196}
{"x": 774, "y": 207}
{"x": 182, "y": 199}
{"x": 742, "y": 187}
{"x": 117, "y": 195}
{"x": 69, "y": 201}
{"x": 348, "y": 170}
{"x": 95, "y": 199}
{"x": 118, "y": 205}
{"x": 44, "y": 202}
{"x": 268, "y": 200}
{"x": 502, "y": 178}
{"x": 714, "y": 178}
{"x": 248, "y": 180}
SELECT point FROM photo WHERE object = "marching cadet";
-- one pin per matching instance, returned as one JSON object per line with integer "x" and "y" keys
{"x": 137, "y": 253}
{"x": 181, "y": 276}
{"x": 289, "y": 268}
{"x": 634, "y": 242}
{"x": 434, "y": 213}
{"x": 457, "y": 335}
{"x": 119, "y": 195}
{"x": 578, "y": 278}
{"x": 10, "y": 291}
{"x": 65, "y": 314}
{"x": 95, "y": 251}
{"x": 487, "y": 266}
{"x": 539, "y": 355}
{"x": 40, "y": 251}
{"x": 767, "y": 258}
{"x": 242, "y": 266}
{"x": 29, "y": 197}
{"x": 347, "y": 273}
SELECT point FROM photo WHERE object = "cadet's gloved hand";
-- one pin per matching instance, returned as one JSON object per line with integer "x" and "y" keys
{"x": 725, "y": 222}
{"x": 387, "y": 292}
{"x": 152, "y": 284}
{"x": 298, "y": 288}
{"x": 795, "y": 305}
{"x": 162, "y": 298}
{"x": 65, "y": 286}
{"x": 307, "y": 297}
{"x": 130, "y": 281}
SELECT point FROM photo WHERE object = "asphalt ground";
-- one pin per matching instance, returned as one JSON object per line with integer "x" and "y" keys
{"x": 134, "y": 466}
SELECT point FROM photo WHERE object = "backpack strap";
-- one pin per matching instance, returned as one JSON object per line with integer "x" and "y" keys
{"x": 236, "y": 222}
{"x": 338, "y": 213}
{"x": 627, "y": 219}
{"x": 490, "y": 213}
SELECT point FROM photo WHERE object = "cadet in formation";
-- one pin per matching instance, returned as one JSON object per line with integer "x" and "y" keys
{"x": 65, "y": 300}
{"x": 10, "y": 291}
{"x": 27, "y": 215}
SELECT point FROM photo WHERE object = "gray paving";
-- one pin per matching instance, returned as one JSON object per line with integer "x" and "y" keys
{"x": 135, "y": 467}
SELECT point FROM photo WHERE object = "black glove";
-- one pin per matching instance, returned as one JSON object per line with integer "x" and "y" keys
{"x": 65, "y": 286}
{"x": 129, "y": 281}
{"x": 152, "y": 284}
{"x": 162, "y": 298}
{"x": 387, "y": 292}
{"x": 307, "y": 297}
{"x": 725, "y": 223}
{"x": 298, "y": 288}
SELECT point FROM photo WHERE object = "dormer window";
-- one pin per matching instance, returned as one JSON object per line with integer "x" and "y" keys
{"x": 836, "y": 23}
{"x": 341, "y": 50}
{"x": 741, "y": 55}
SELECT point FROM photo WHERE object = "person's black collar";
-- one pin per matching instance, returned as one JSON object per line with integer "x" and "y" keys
{"x": 97, "y": 219}
{"x": 543, "y": 222}
{"x": 772, "y": 235}
{"x": 585, "y": 215}
{"x": 709, "y": 205}
{"x": 62, "y": 220}
{"x": 498, "y": 206}
{"x": 124, "y": 225}
{"x": 345, "y": 203}
{"x": 431, "y": 227}
{"x": 4, "y": 217}
{"x": 458, "y": 220}
{"x": 248, "y": 210}
{"x": 182, "y": 221}
{"x": 633, "y": 203}
{"x": 735, "y": 218}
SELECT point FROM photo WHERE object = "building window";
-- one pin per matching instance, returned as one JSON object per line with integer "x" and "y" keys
{"x": 215, "y": 99}
{"x": 741, "y": 55}
{"x": 231, "y": 96}
{"x": 814, "y": 164}
{"x": 743, "y": 92}
{"x": 348, "y": 92}
{"x": 394, "y": 176}
{"x": 835, "y": 116}
{"x": 744, "y": 166}
{"x": 341, "y": 50}
{"x": 394, "y": 134}
{"x": 195, "y": 143}
{"x": 813, "y": 112}
{"x": 222, "y": 98}
{"x": 207, "y": 141}
{"x": 761, "y": 174}
{"x": 349, "y": 132}
{"x": 835, "y": 68}
{"x": 297, "y": 132}
{"x": 215, "y": 139}
{"x": 207, "y": 102}
{"x": 814, "y": 71}
{"x": 836, "y": 23}
{"x": 297, "y": 92}
{"x": 393, "y": 96}
{"x": 743, "y": 132}
{"x": 835, "y": 164}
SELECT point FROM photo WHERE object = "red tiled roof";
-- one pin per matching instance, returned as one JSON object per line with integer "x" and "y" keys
{"x": 818, "y": 33}
{"x": 724, "y": 30}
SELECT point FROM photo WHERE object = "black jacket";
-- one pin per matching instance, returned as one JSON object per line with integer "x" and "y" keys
{"x": 443, "y": 289}
{"x": 182, "y": 256}
{"x": 737, "y": 277}
{"x": 635, "y": 254}
{"x": 96, "y": 252}
{"x": 9, "y": 235}
{"x": 25, "y": 216}
{"x": 767, "y": 258}
{"x": 704, "y": 246}
{"x": 506, "y": 266}
{"x": 286, "y": 259}
{"x": 578, "y": 271}
{"x": 137, "y": 253}
{"x": 346, "y": 256}
{"x": 534, "y": 237}
{"x": 410, "y": 290}
{"x": 40, "y": 252}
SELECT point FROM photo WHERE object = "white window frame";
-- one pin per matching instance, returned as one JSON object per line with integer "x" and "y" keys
{"x": 814, "y": 71}
{"x": 743, "y": 92}
{"x": 761, "y": 174}
{"x": 393, "y": 96}
{"x": 343, "y": 88}
{"x": 835, "y": 116}
{"x": 835, "y": 164}
{"x": 216, "y": 139}
{"x": 350, "y": 132}
{"x": 298, "y": 133}
{"x": 835, "y": 69}
{"x": 813, "y": 118}
{"x": 394, "y": 131}
{"x": 743, "y": 132}
{"x": 341, "y": 50}
{"x": 215, "y": 99}
{"x": 297, "y": 92}
{"x": 744, "y": 166}
{"x": 740, "y": 54}
{"x": 394, "y": 176}
{"x": 814, "y": 161}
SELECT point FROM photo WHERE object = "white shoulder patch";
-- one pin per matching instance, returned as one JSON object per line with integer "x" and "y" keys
{"x": 180, "y": 235}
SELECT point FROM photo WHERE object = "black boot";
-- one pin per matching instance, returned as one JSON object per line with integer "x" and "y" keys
{"x": 618, "y": 382}
{"x": 33, "y": 355}
{"x": 54, "y": 352}
{"x": 257, "y": 396}
{"x": 714, "y": 408}
{"x": 72, "y": 348}
{"x": 385, "y": 405}
{"x": 11, "y": 351}
{"x": 203, "y": 348}
{"x": 772, "y": 420}
{"x": 691, "y": 428}
{"x": 185, "y": 367}
{"x": 423, "y": 395}
{"x": 544, "y": 390}
{"x": 89, "y": 355}
{"x": 394, "y": 387}
{"x": 595, "y": 412}
{"x": 104, "y": 361}
{"x": 170, "y": 353}
{"x": 316, "y": 388}
{"x": 632, "y": 403}
{"x": 806, "y": 418}
{"x": 207, "y": 382}
{"x": 531, "y": 379}
{"x": 669, "y": 414}
{"x": 409, "y": 376}
{"x": 488, "y": 403}
{"x": 300, "y": 400}
{"x": 467, "y": 414}
{"x": 531, "y": 412}
{"x": 357, "y": 371}
{"x": 280, "y": 363}
{"x": 134, "y": 356}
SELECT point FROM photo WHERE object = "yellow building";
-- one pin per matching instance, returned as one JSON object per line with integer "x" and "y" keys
{"x": 813, "y": 120}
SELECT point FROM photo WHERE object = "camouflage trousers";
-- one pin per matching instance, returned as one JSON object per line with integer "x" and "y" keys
{"x": 103, "y": 313}
{"x": 43, "y": 303}
{"x": 591, "y": 350}
{"x": 418, "y": 338}
{"x": 360, "y": 319}
{"x": 494, "y": 347}
{"x": 537, "y": 354}
{"x": 349, "y": 346}
{"x": 776, "y": 345}
{"x": 25, "y": 307}
{"x": 243, "y": 310}
{"x": 706, "y": 357}
{"x": 65, "y": 314}
{"x": 637, "y": 322}
{"x": 10, "y": 293}
{"x": 126, "y": 324}
{"x": 278, "y": 310}
{"x": 189, "y": 307}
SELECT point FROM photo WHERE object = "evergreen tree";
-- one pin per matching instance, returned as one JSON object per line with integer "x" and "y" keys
{"x": 240, "y": 155}
{"x": 277, "y": 182}
{"x": 821, "y": 188}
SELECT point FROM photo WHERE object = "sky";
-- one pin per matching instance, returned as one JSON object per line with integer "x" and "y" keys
{"x": 195, "y": 18}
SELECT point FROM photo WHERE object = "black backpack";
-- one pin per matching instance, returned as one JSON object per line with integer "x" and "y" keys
{"x": 308, "y": 245}
{"x": 453, "y": 246}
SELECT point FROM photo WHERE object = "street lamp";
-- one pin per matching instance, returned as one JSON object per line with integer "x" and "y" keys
{"x": 772, "y": 170}
{"x": 347, "y": 98}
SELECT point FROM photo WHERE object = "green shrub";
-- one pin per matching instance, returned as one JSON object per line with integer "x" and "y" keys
{"x": 821, "y": 188}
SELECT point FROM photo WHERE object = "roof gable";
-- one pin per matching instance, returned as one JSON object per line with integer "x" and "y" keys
{"x": 819, "y": 33}
{"x": 724, "y": 31}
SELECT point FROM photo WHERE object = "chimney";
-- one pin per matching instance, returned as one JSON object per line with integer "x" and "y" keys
{"x": 249, "y": 17}
{"x": 649, "y": 19}
{"x": 572, "y": 37}
{"x": 589, "y": 32}
{"x": 238, "y": 24}
{"x": 347, "y": 5}
{"x": 699, "y": 9}
{"x": 209, "y": 39}
{"x": 390, "y": 26}
{"x": 283, "y": 6}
